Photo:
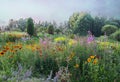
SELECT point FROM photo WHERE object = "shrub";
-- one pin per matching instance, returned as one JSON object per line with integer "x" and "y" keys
{"x": 57, "y": 31}
{"x": 116, "y": 35}
{"x": 109, "y": 29}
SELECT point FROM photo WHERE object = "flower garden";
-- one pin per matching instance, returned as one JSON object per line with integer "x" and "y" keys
{"x": 58, "y": 59}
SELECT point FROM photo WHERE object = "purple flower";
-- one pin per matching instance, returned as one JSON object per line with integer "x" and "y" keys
{"x": 90, "y": 37}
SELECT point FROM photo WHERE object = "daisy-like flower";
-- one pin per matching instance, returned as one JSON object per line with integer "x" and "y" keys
{"x": 89, "y": 60}
{"x": 92, "y": 57}
{"x": 76, "y": 66}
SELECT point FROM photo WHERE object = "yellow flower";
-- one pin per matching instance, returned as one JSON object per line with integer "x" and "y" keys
{"x": 71, "y": 55}
{"x": 76, "y": 66}
{"x": 59, "y": 39}
{"x": 92, "y": 57}
{"x": 95, "y": 61}
{"x": 89, "y": 60}
{"x": 71, "y": 42}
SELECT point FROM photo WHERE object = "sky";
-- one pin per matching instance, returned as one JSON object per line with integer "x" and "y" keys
{"x": 55, "y": 10}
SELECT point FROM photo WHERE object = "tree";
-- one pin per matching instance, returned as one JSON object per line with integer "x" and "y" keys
{"x": 113, "y": 21}
{"x": 21, "y": 23}
{"x": 12, "y": 24}
{"x": 50, "y": 29}
{"x": 30, "y": 27}
{"x": 80, "y": 23}
{"x": 99, "y": 22}
{"x": 73, "y": 19}
{"x": 109, "y": 29}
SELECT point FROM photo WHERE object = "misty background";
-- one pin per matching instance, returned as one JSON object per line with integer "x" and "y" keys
{"x": 57, "y": 10}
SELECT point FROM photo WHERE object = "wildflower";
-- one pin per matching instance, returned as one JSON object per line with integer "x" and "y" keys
{"x": 8, "y": 43}
{"x": 11, "y": 56}
{"x": 59, "y": 39}
{"x": 6, "y": 47}
{"x": 20, "y": 47}
{"x": 4, "y": 50}
{"x": 95, "y": 61}
{"x": 1, "y": 53}
{"x": 12, "y": 51}
{"x": 70, "y": 57}
{"x": 89, "y": 60}
{"x": 15, "y": 46}
{"x": 38, "y": 48}
{"x": 92, "y": 57}
{"x": 33, "y": 48}
{"x": 90, "y": 37}
{"x": 76, "y": 66}
{"x": 71, "y": 42}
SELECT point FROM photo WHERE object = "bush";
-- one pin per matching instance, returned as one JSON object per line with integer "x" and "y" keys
{"x": 116, "y": 35}
{"x": 109, "y": 29}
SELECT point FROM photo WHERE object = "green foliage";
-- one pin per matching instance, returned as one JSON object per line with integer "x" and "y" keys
{"x": 73, "y": 19}
{"x": 99, "y": 22}
{"x": 30, "y": 27}
{"x": 50, "y": 29}
{"x": 74, "y": 58}
{"x": 22, "y": 24}
{"x": 115, "y": 36}
{"x": 81, "y": 23}
{"x": 113, "y": 21}
{"x": 57, "y": 30}
{"x": 44, "y": 65}
{"x": 109, "y": 29}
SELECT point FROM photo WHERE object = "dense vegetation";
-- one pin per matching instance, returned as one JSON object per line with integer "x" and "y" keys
{"x": 83, "y": 49}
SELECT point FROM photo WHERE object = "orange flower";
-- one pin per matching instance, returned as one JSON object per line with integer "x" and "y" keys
{"x": 4, "y": 50}
{"x": 20, "y": 47}
{"x": 76, "y": 66}
{"x": 12, "y": 51}
{"x": 1, "y": 53}
{"x": 33, "y": 49}
{"x": 92, "y": 57}
{"x": 6, "y": 47}
{"x": 38, "y": 48}
{"x": 89, "y": 60}
{"x": 16, "y": 46}
{"x": 95, "y": 61}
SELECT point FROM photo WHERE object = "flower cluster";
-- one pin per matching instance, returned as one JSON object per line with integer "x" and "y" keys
{"x": 10, "y": 47}
{"x": 92, "y": 59}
